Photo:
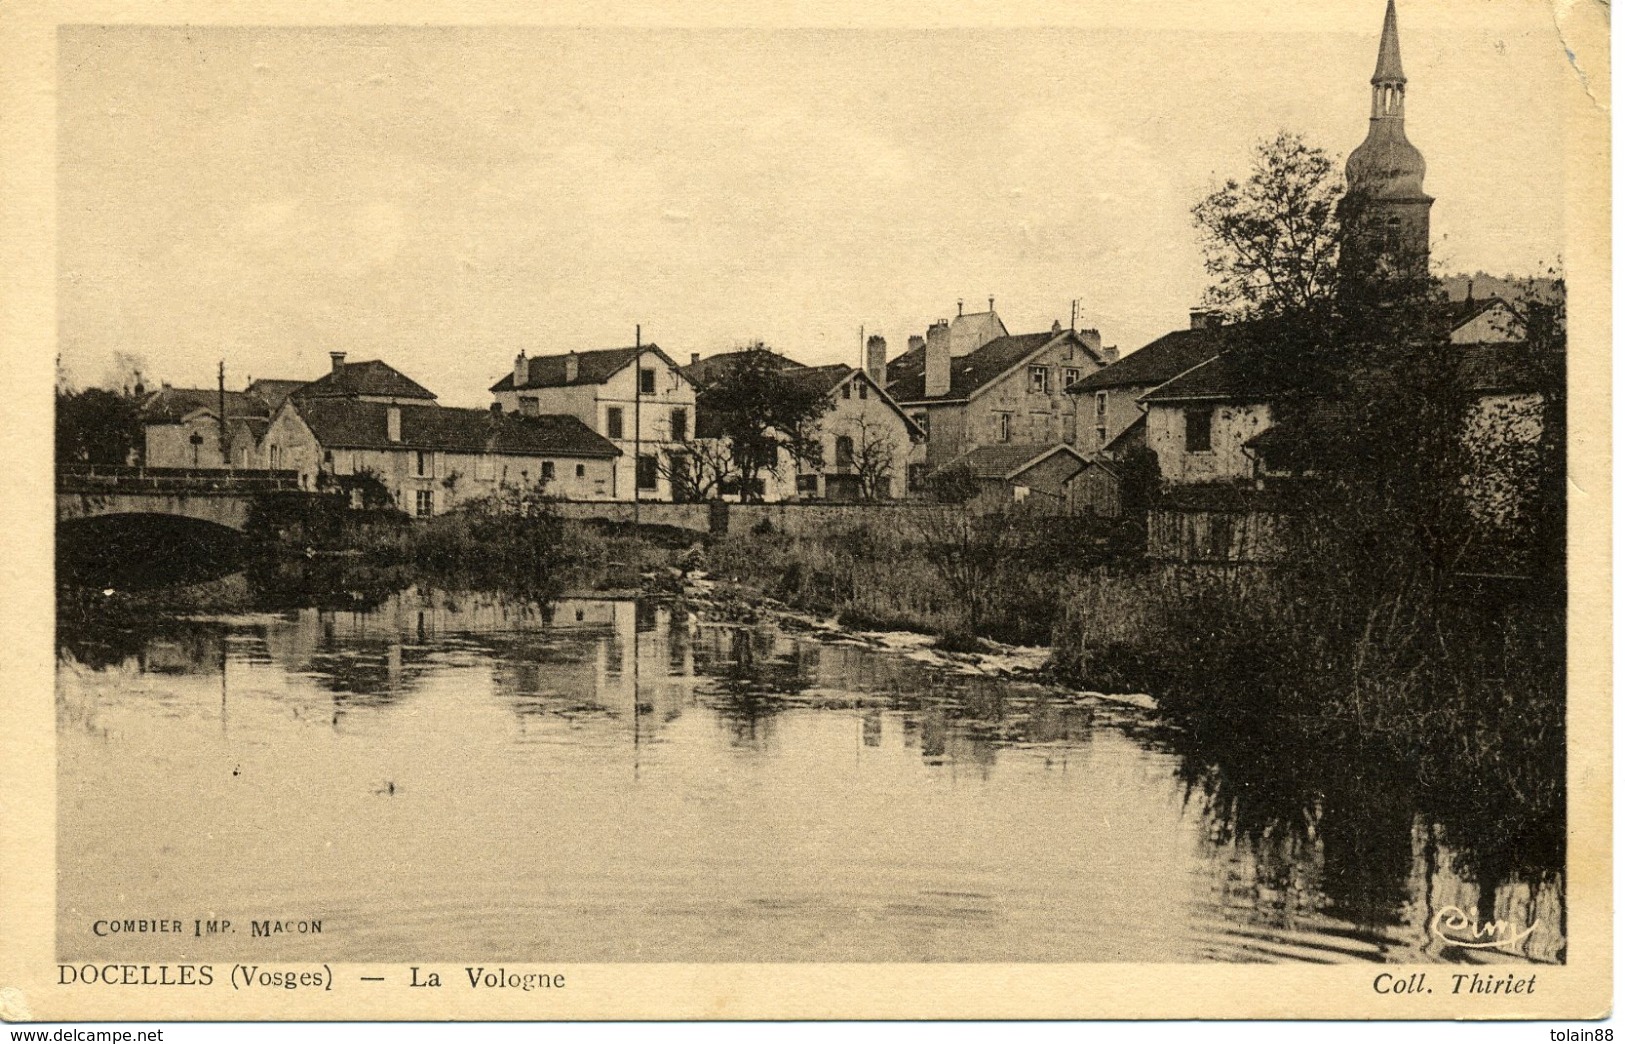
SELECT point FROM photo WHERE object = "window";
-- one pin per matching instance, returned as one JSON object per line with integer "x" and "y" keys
{"x": 648, "y": 472}
{"x": 863, "y": 389}
{"x": 327, "y": 459}
{"x": 843, "y": 453}
{"x": 547, "y": 471}
{"x": 1199, "y": 431}
{"x": 1004, "y": 427}
{"x": 1100, "y": 404}
{"x": 530, "y": 406}
{"x": 846, "y": 391}
{"x": 425, "y": 503}
{"x": 1100, "y": 436}
{"x": 581, "y": 471}
{"x": 614, "y": 422}
{"x": 646, "y": 382}
{"x": 806, "y": 485}
{"x": 1038, "y": 379}
{"x": 425, "y": 464}
{"x": 276, "y": 457}
{"x": 679, "y": 424}
{"x": 923, "y": 420}
{"x": 1069, "y": 376}
{"x": 916, "y": 476}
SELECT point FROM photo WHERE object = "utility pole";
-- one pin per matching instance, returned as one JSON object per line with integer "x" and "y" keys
{"x": 225, "y": 444}
{"x": 637, "y": 432}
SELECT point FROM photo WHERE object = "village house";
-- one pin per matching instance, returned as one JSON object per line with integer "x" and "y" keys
{"x": 182, "y": 428}
{"x": 867, "y": 441}
{"x": 1002, "y": 476}
{"x": 429, "y": 459}
{"x": 636, "y": 398}
{"x": 1108, "y": 400}
{"x": 972, "y": 383}
{"x": 182, "y": 425}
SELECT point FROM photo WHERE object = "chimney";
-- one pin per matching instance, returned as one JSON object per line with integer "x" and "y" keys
{"x": 496, "y": 409}
{"x": 1091, "y": 337}
{"x": 915, "y": 342}
{"x": 874, "y": 359}
{"x": 572, "y": 368}
{"x": 521, "y": 369}
{"x": 1206, "y": 319}
{"x": 1110, "y": 354}
{"x": 392, "y": 418}
{"x": 937, "y": 359}
{"x": 961, "y": 306}
{"x": 693, "y": 358}
{"x": 990, "y": 302}
{"x": 338, "y": 361}
{"x": 1056, "y": 328}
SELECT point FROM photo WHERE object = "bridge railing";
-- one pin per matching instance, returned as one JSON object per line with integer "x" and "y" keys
{"x": 110, "y": 478}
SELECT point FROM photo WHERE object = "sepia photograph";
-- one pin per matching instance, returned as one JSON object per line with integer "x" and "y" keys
{"x": 1072, "y": 494}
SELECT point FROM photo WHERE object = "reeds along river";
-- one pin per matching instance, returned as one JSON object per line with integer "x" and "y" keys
{"x": 456, "y": 777}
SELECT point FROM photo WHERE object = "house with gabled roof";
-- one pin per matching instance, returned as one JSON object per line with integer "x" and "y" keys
{"x": 185, "y": 428}
{"x": 1004, "y": 475}
{"x": 867, "y": 441}
{"x": 635, "y": 397}
{"x": 1108, "y": 400}
{"x": 370, "y": 381}
{"x": 971, "y": 383}
{"x": 430, "y": 458}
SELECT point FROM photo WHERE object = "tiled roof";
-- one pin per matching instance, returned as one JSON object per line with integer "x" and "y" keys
{"x": 594, "y": 367}
{"x": 349, "y": 424}
{"x": 1460, "y": 313}
{"x": 712, "y": 367}
{"x": 1221, "y": 377}
{"x": 821, "y": 378}
{"x": 172, "y": 405}
{"x": 273, "y": 392}
{"x": 1162, "y": 360}
{"x": 905, "y": 375}
{"x": 1004, "y": 460}
{"x": 373, "y": 377}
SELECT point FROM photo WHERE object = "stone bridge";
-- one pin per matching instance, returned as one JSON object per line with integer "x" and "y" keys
{"x": 223, "y": 497}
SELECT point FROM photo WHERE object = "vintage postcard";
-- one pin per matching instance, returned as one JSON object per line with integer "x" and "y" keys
{"x": 674, "y": 511}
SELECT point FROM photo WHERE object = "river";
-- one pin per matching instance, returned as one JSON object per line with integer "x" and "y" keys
{"x": 458, "y": 777}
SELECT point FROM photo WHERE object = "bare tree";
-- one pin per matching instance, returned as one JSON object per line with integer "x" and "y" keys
{"x": 874, "y": 458}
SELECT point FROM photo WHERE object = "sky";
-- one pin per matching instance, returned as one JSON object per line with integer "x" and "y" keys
{"x": 444, "y": 197}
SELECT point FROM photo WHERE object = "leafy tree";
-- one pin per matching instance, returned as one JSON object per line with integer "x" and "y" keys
{"x": 1270, "y": 242}
{"x": 96, "y": 426}
{"x": 764, "y": 414}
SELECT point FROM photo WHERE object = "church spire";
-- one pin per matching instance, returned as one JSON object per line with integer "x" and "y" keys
{"x": 1388, "y": 68}
{"x": 1386, "y": 209}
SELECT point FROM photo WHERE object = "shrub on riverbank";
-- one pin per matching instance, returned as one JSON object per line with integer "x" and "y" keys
{"x": 1454, "y": 695}
{"x": 943, "y": 572}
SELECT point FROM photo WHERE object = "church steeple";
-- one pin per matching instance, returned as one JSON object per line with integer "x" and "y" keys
{"x": 1386, "y": 210}
{"x": 1388, "y": 68}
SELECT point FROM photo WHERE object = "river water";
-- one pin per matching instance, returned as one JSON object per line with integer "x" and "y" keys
{"x": 452, "y": 777}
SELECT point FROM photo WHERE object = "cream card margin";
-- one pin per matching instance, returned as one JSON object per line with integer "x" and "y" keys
{"x": 1581, "y": 989}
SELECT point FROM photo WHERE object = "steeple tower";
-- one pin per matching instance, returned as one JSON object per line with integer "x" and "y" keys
{"x": 1385, "y": 211}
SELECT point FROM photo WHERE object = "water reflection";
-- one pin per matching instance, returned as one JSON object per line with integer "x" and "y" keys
{"x": 453, "y": 775}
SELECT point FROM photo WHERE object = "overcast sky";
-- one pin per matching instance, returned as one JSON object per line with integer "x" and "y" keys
{"x": 441, "y": 198}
